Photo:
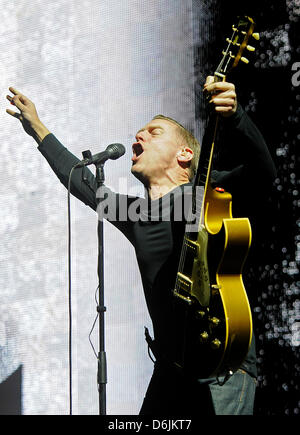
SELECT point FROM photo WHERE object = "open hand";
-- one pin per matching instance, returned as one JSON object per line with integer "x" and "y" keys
{"x": 27, "y": 114}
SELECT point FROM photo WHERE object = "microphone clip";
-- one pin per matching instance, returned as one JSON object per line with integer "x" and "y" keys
{"x": 87, "y": 154}
{"x": 100, "y": 178}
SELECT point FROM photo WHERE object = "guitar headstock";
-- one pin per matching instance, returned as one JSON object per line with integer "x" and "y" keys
{"x": 237, "y": 43}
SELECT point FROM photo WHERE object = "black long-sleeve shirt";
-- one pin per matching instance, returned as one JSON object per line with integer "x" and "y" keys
{"x": 247, "y": 174}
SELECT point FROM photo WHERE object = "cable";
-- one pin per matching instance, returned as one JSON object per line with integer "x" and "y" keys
{"x": 70, "y": 290}
{"x": 93, "y": 326}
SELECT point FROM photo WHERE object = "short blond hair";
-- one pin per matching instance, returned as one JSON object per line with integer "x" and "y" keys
{"x": 189, "y": 140}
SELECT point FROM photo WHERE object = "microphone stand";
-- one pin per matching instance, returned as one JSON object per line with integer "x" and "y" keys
{"x": 113, "y": 152}
{"x": 102, "y": 369}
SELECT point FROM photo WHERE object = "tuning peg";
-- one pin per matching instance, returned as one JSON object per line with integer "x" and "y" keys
{"x": 255, "y": 36}
{"x": 244, "y": 59}
{"x": 250, "y": 48}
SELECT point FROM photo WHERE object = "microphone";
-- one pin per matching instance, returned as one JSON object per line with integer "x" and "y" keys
{"x": 112, "y": 152}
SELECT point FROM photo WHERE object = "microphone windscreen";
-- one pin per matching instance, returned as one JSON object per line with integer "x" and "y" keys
{"x": 115, "y": 150}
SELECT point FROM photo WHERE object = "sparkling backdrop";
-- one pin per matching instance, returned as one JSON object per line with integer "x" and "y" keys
{"x": 97, "y": 72}
{"x": 269, "y": 89}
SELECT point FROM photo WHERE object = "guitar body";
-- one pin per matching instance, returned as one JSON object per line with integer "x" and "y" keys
{"x": 217, "y": 320}
{"x": 234, "y": 239}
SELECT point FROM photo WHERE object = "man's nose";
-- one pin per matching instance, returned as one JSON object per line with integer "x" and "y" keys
{"x": 141, "y": 136}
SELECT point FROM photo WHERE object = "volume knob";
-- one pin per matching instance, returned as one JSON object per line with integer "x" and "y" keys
{"x": 215, "y": 344}
{"x": 203, "y": 337}
{"x": 214, "y": 321}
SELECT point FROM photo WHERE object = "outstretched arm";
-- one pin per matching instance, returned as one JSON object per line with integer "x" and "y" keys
{"x": 60, "y": 159}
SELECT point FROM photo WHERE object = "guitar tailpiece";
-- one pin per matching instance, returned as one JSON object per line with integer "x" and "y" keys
{"x": 226, "y": 377}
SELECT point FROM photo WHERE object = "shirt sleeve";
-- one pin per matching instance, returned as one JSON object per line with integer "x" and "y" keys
{"x": 108, "y": 204}
{"x": 61, "y": 160}
{"x": 247, "y": 170}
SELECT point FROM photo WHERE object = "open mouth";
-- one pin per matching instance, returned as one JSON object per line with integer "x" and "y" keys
{"x": 137, "y": 150}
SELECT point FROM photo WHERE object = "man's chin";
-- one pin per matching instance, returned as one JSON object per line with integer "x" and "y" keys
{"x": 138, "y": 173}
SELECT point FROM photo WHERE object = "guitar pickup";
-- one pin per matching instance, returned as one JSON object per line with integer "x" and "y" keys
{"x": 184, "y": 282}
{"x": 183, "y": 298}
{"x": 192, "y": 245}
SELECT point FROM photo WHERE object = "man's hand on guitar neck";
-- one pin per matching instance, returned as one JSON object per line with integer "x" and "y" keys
{"x": 223, "y": 96}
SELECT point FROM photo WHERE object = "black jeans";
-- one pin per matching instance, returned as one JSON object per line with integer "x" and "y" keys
{"x": 169, "y": 393}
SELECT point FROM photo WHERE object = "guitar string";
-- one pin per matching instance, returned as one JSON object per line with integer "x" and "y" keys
{"x": 208, "y": 169}
{"x": 198, "y": 200}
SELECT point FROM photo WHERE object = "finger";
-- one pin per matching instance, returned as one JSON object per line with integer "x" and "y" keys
{"x": 220, "y": 86}
{"x": 10, "y": 99}
{"x": 14, "y": 114}
{"x": 224, "y": 109}
{"x": 25, "y": 101}
{"x": 209, "y": 80}
{"x": 223, "y": 95}
{"x": 14, "y": 91}
{"x": 225, "y": 102}
{"x": 16, "y": 102}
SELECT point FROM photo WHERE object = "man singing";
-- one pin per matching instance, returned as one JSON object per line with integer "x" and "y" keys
{"x": 165, "y": 157}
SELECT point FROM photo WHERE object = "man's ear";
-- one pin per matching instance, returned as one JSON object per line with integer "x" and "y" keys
{"x": 185, "y": 155}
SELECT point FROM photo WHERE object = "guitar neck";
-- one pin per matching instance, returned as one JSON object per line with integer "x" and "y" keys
{"x": 203, "y": 174}
{"x": 237, "y": 43}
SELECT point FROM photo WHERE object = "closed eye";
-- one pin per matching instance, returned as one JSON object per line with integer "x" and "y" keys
{"x": 156, "y": 130}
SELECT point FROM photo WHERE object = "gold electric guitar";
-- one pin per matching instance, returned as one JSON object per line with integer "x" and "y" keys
{"x": 215, "y": 331}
